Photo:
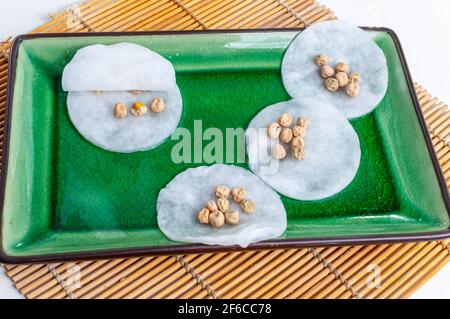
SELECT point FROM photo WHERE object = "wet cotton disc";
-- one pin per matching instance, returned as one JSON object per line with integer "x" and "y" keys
{"x": 118, "y": 67}
{"x": 341, "y": 42}
{"x": 332, "y": 151}
{"x": 99, "y": 76}
{"x": 180, "y": 201}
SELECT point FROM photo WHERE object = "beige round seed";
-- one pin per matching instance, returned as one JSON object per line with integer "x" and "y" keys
{"x": 248, "y": 206}
{"x": 216, "y": 219}
{"x": 203, "y": 216}
{"x": 342, "y": 79}
{"x": 299, "y": 131}
{"x": 223, "y": 204}
{"x": 354, "y": 77}
{"x": 135, "y": 92}
{"x": 321, "y": 60}
{"x": 222, "y": 191}
{"x": 232, "y": 218}
{"x": 297, "y": 142}
{"x": 212, "y": 206}
{"x": 286, "y": 135}
{"x": 327, "y": 71}
{"x": 273, "y": 130}
{"x": 238, "y": 194}
{"x": 120, "y": 110}
{"x": 285, "y": 120}
{"x": 303, "y": 121}
{"x": 298, "y": 152}
{"x": 352, "y": 89}
{"x": 342, "y": 67}
{"x": 278, "y": 152}
{"x": 157, "y": 105}
{"x": 332, "y": 84}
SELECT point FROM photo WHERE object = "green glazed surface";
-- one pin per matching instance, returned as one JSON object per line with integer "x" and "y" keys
{"x": 64, "y": 194}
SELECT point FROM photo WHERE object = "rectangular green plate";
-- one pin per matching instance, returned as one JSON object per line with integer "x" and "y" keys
{"x": 64, "y": 198}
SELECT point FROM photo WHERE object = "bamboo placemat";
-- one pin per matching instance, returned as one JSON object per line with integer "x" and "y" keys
{"x": 376, "y": 271}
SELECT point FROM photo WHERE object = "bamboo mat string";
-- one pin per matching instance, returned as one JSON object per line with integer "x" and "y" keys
{"x": 445, "y": 246}
{"x": 4, "y": 48}
{"x": 60, "y": 281}
{"x": 197, "y": 277}
{"x": 444, "y": 138}
{"x": 294, "y": 13}
{"x": 190, "y": 13}
{"x": 55, "y": 15}
{"x": 76, "y": 14}
{"x": 335, "y": 272}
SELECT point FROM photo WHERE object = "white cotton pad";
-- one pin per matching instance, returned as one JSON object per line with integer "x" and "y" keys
{"x": 118, "y": 67}
{"x": 332, "y": 151}
{"x": 341, "y": 42}
{"x": 181, "y": 200}
{"x": 93, "y": 116}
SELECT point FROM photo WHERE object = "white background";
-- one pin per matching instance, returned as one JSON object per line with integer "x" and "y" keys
{"x": 423, "y": 28}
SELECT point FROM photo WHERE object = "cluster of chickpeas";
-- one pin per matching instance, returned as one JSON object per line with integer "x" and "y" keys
{"x": 157, "y": 105}
{"x": 288, "y": 136}
{"x": 217, "y": 213}
{"x": 338, "y": 77}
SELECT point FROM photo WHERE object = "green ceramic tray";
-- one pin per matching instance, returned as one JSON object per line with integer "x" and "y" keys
{"x": 64, "y": 198}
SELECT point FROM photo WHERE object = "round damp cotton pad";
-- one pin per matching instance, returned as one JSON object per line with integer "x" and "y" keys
{"x": 118, "y": 67}
{"x": 332, "y": 151}
{"x": 93, "y": 116}
{"x": 180, "y": 201}
{"x": 341, "y": 42}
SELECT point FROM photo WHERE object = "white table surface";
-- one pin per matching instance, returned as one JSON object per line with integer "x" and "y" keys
{"x": 420, "y": 26}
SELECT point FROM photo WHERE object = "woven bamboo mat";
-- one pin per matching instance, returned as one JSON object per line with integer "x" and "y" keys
{"x": 376, "y": 271}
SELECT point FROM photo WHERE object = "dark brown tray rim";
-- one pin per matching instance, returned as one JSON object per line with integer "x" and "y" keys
{"x": 199, "y": 248}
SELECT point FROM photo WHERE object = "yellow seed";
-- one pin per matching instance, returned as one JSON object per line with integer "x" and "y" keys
{"x": 138, "y": 105}
{"x": 138, "y": 109}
